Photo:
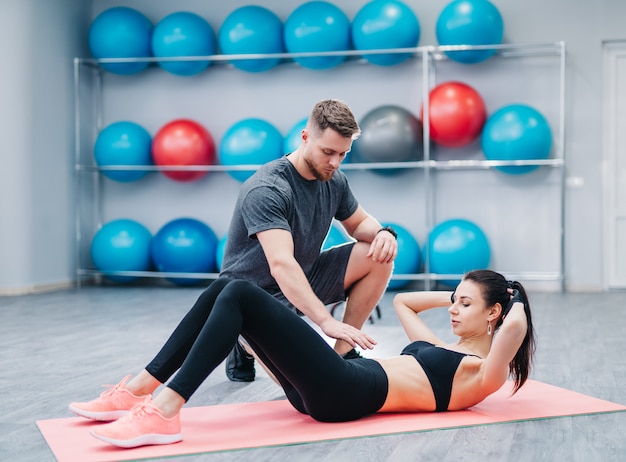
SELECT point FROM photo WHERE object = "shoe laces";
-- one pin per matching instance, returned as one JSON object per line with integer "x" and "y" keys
{"x": 112, "y": 389}
{"x": 140, "y": 410}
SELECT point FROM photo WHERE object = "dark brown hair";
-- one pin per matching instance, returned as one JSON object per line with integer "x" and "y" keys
{"x": 495, "y": 290}
{"x": 334, "y": 114}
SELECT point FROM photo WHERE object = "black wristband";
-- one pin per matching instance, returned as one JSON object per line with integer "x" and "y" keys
{"x": 516, "y": 297}
{"x": 390, "y": 230}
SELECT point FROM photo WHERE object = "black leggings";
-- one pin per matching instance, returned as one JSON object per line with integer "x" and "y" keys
{"x": 316, "y": 380}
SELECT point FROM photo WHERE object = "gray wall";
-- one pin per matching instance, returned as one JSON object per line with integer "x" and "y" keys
{"x": 36, "y": 199}
{"x": 36, "y": 212}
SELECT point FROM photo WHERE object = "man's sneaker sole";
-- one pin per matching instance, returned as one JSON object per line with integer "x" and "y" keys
{"x": 100, "y": 416}
{"x": 143, "y": 440}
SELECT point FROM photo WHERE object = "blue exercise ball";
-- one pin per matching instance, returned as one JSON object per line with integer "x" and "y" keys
{"x": 121, "y": 32}
{"x": 219, "y": 251}
{"x": 183, "y": 34}
{"x": 382, "y": 24}
{"x": 121, "y": 245}
{"x": 457, "y": 246}
{"x": 317, "y": 27}
{"x": 123, "y": 143}
{"x": 409, "y": 256}
{"x": 336, "y": 236}
{"x": 389, "y": 133}
{"x": 470, "y": 22}
{"x": 184, "y": 245}
{"x": 252, "y": 30}
{"x": 292, "y": 140}
{"x": 516, "y": 132}
{"x": 250, "y": 142}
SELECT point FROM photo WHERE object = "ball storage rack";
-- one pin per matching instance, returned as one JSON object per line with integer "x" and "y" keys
{"x": 88, "y": 92}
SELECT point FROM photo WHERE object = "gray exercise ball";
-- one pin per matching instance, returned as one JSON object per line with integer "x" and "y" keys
{"x": 389, "y": 134}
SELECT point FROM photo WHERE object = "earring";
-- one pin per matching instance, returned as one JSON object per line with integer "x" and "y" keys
{"x": 489, "y": 328}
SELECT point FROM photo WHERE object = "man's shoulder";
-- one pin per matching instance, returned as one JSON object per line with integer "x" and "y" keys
{"x": 269, "y": 173}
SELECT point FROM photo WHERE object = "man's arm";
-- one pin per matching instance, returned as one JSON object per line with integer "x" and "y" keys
{"x": 279, "y": 250}
{"x": 365, "y": 228}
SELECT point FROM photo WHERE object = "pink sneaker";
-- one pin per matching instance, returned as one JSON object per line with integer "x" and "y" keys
{"x": 145, "y": 425}
{"x": 112, "y": 404}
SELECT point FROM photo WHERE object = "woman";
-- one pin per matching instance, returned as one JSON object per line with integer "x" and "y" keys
{"x": 428, "y": 376}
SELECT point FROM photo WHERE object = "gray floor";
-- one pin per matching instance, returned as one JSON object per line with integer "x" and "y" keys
{"x": 59, "y": 347}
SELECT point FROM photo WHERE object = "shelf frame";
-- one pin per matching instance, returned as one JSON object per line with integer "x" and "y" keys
{"x": 430, "y": 56}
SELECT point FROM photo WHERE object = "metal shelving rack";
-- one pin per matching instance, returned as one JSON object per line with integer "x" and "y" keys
{"x": 431, "y": 56}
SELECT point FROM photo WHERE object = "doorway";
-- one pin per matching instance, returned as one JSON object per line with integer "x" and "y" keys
{"x": 614, "y": 113}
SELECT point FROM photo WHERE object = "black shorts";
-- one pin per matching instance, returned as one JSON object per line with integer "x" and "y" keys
{"x": 327, "y": 275}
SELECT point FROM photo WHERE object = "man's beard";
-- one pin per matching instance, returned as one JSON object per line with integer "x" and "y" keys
{"x": 321, "y": 176}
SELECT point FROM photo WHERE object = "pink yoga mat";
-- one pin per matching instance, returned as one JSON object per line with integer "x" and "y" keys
{"x": 276, "y": 423}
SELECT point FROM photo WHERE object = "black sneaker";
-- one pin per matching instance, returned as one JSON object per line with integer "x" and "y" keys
{"x": 352, "y": 354}
{"x": 240, "y": 365}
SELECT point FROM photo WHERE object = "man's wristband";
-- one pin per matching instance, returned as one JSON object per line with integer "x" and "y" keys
{"x": 390, "y": 230}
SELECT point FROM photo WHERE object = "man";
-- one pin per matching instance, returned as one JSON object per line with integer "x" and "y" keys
{"x": 281, "y": 219}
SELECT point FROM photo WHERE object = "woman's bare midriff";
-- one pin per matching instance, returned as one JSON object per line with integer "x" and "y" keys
{"x": 410, "y": 389}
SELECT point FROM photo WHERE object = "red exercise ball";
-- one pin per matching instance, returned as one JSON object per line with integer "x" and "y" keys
{"x": 183, "y": 142}
{"x": 457, "y": 114}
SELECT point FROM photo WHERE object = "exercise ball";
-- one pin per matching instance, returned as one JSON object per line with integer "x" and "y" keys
{"x": 409, "y": 256}
{"x": 183, "y": 142}
{"x": 470, "y": 22}
{"x": 121, "y": 245}
{"x": 219, "y": 252}
{"x": 389, "y": 133}
{"x": 457, "y": 114}
{"x": 336, "y": 236}
{"x": 250, "y": 142}
{"x": 382, "y": 24}
{"x": 252, "y": 30}
{"x": 317, "y": 27}
{"x": 123, "y": 143}
{"x": 516, "y": 132}
{"x": 292, "y": 140}
{"x": 183, "y": 34}
{"x": 457, "y": 246}
{"x": 184, "y": 245}
{"x": 121, "y": 32}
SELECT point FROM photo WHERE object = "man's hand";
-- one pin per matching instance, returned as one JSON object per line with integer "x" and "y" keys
{"x": 349, "y": 334}
{"x": 383, "y": 248}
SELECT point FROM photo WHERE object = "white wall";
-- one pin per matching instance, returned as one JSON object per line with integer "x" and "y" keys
{"x": 43, "y": 252}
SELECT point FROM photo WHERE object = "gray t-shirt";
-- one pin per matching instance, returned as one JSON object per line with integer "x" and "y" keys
{"x": 278, "y": 197}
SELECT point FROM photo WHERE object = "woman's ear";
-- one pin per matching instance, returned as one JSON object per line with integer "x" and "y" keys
{"x": 494, "y": 312}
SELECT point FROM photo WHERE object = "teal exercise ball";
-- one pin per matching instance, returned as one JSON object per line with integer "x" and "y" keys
{"x": 220, "y": 250}
{"x": 121, "y": 32}
{"x": 250, "y": 141}
{"x": 126, "y": 144}
{"x": 336, "y": 236}
{"x": 457, "y": 246}
{"x": 470, "y": 22}
{"x": 384, "y": 24}
{"x": 516, "y": 132}
{"x": 121, "y": 245}
{"x": 252, "y": 30}
{"x": 408, "y": 259}
{"x": 183, "y": 34}
{"x": 293, "y": 138}
{"x": 184, "y": 245}
{"x": 317, "y": 26}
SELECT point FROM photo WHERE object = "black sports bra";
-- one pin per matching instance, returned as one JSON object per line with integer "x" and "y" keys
{"x": 440, "y": 365}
